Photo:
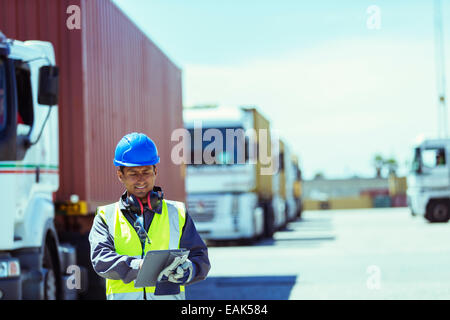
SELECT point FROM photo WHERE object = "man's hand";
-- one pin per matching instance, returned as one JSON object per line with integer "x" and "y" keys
{"x": 166, "y": 272}
{"x": 183, "y": 274}
{"x": 180, "y": 271}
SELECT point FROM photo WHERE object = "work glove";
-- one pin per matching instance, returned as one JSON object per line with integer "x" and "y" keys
{"x": 180, "y": 271}
{"x": 171, "y": 268}
{"x": 184, "y": 273}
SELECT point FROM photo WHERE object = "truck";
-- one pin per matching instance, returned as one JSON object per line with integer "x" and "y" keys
{"x": 297, "y": 186}
{"x": 288, "y": 177}
{"x": 66, "y": 99}
{"x": 428, "y": 183}
{"x": 279, "y": 184}
{"x": 32, "y": 262}
{"x": 234, "y": 195}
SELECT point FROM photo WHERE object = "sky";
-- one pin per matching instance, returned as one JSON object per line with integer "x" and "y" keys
{"x": 340, "y": 81}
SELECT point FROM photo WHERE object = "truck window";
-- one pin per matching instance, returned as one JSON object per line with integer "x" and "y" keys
{"x": 3, "y": 114}
{"x": 24, "y": 95}
{"x": 433, "y": 157}
{"x": 234, "y": 146}
{"x": 440, "y": 157}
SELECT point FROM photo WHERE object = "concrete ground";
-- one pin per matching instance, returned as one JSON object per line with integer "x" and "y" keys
{"x": 336, "y": 254}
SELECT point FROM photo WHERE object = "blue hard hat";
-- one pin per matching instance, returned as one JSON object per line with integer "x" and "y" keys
{"x": 134, "y": 150}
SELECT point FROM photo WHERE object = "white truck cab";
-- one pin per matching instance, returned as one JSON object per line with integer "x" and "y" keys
{"x": 226, "y": 195}
{"x": 428, "y": 183}
{"x": 30, "y": 255}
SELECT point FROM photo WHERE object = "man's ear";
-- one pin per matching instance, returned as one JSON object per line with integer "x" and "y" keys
{"x": 119, "y": 175}
{"x": 155, "y": 169}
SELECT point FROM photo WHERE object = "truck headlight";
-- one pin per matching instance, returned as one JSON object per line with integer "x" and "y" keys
{"x": 3, "y": 269}
{"x": 9, "y": 268}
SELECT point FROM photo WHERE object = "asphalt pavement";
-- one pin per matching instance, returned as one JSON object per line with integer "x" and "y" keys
{"x": 336, "y": 254}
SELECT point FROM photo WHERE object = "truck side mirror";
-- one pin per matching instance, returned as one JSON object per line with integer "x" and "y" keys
{"x": 48, "y": 85}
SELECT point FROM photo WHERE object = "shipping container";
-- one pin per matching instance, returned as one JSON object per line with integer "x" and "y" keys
{"x": 311, "y": 204}
{"x": 375, "y": 192}
{"x": 397, "y": 185}
{"x": 113, "y": 80}
{"x": 350, "y": 202}
{"x": 298, "y": 178}
{"x": 381, "y": 201}
{"x": 264, "y": 185}
{"x": 399, "y": 200}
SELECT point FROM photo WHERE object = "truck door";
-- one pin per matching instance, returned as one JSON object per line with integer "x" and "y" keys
{"x": 7, "y": 110}
{"x": 435, "y": 167}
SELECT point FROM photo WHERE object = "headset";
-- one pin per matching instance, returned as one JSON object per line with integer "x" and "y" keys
{"x": 136, "y": 206}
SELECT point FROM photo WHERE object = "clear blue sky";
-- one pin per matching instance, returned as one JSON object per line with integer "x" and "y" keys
{"x": 337, "y": 91}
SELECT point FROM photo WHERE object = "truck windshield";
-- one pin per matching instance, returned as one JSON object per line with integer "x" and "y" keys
{"x": 3, "y": 110}
{"x": 428, "y": 158}
{"x": 219, "y": 146}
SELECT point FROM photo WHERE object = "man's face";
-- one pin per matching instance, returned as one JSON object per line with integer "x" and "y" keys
{"x": 138, "y": 180}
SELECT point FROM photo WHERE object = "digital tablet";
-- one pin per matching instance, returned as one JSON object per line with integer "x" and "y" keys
{"x": 154, "y": 262}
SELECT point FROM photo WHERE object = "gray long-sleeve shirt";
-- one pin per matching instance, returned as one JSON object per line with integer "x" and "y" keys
{"x": 109, "y": 264}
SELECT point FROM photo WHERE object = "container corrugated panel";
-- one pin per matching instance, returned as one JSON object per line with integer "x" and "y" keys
{"x": 263, "y": 182}
{"x": 114, "y": 80}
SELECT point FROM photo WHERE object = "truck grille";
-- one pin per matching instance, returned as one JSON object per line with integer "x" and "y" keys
{"x": 202, "y": 210}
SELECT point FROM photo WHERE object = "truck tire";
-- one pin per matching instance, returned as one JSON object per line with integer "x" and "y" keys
{"x": 438, "y": 211}
{"x": 50, "y": 275}
{"x": 269, "y": 220}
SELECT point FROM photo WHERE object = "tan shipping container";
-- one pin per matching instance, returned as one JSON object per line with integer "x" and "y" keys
{"x": 397, "y": 185}
{"x": 297, "y": 182}
{"x": 310, "y": 204}
{"x": 263, "y": 182}
{"x": 360, "y": 202}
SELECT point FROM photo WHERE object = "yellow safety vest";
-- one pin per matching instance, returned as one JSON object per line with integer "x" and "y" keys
{"x": 164, "y": 233}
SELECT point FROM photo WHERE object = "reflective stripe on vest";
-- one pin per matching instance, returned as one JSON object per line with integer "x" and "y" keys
{"x": 164, "y": 233}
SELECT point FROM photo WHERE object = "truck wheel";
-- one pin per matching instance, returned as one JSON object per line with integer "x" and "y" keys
{"x": 438, "y": 211}
{"x": 50, "y": 280}
{"x": 269, "y": 220}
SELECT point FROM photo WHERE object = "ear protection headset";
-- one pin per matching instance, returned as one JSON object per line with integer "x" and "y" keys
{"x": 135, "y": 204}
{"x": 137, "y": 207}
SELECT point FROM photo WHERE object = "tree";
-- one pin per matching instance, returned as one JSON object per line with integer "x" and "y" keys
{"x": 392, "y": 166}
{"x": 319, "y": 175}
{"x": 378, "y": 163}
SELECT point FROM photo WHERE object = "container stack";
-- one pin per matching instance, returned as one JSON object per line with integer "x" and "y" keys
{"x": 397, "y": 191}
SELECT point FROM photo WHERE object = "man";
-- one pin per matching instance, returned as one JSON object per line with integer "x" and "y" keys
{"x": 142, "y": 220}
